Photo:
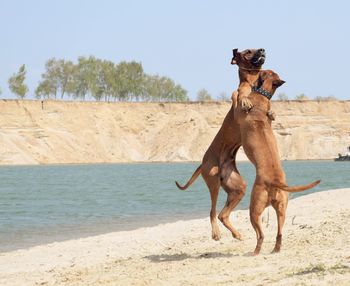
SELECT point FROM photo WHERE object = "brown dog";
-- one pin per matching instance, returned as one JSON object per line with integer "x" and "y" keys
{"x": 249, "y": 62}
{"x": 260, "y": 146}
{"x": 218, "y": 166}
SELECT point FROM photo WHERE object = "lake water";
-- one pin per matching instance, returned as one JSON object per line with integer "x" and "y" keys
{"x": 40, "y": 204}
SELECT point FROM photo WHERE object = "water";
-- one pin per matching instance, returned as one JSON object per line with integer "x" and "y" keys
{"x": 40, "y": 204}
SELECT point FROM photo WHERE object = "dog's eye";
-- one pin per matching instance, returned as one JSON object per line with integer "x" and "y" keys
{"x": 249, "y": 52}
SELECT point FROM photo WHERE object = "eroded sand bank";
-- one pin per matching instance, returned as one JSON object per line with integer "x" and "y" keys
{"x": 58, "y": 132}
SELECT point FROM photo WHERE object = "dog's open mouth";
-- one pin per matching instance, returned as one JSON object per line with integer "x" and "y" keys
{"x": 258, "y": 59}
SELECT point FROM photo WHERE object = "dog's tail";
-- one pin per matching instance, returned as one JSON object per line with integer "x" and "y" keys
{"x": 300, "y": 188}
{"x": 193, "y": 178}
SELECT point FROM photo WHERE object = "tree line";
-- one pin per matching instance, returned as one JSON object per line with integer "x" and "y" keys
{"x": 93, "y": 78}
{"x": 99, "y": 80}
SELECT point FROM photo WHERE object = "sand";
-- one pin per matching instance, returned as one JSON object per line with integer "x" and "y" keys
{"x": 315, "y": 251}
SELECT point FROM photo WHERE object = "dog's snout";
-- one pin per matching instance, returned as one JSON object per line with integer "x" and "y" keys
{"x": 262, "y": 51}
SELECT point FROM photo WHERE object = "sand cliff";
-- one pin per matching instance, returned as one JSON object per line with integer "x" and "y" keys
{"x": 32, "y": 132}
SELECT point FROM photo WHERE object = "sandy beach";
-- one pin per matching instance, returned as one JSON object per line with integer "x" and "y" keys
{"x": 315, "y": 251}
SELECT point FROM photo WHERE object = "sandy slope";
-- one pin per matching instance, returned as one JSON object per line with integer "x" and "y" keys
{"x": 97, "y": 132}
{"x": 315, "y": 252}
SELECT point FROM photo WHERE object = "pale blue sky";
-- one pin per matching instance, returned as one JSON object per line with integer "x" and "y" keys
{"x": 307, "y": 42}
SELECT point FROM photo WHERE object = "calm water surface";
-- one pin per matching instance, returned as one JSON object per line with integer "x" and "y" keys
{"x": 40, "y": 204}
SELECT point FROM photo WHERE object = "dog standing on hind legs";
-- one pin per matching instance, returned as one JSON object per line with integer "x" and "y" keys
{"x": 218, "y": 167}
{"x": 260, "y": 146}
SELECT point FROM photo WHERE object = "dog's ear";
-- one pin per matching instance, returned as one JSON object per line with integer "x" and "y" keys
{"x": 235, "y": 52}
{"x": 262, "y": 78}
{"x": 278, "y": 82}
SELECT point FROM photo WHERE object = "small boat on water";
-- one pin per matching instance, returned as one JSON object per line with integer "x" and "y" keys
{"x": 345, "y": 157}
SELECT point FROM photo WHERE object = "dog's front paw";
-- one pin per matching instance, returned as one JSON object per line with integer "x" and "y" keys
{"x": 271, "y": 115}
{"x": 246, "y": 104}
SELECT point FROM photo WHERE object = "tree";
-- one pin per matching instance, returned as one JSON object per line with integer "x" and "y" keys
{"x": 65, "y": 77}
{"x": 301, "y": 96}
{"x": 0, "y": 91}
{"x": 49, "y": 85}
{"x": 129, "y": 80}
{"x": 108, "y": 79}
{"x": 156, "y": 88}
{"x": 43, "y": 90}
{"x": 203, "y": 95}
{"x": 223, "y": 96}
{"x": 180, "y": 94}
{"x": 57, "y": 79}
{"x": 282, "y": 96}
{"x": 150, "y": 87}
{"x": 94, "y": 77}
{"x": 16, "y": 82}
{"x": 83, "y": 77}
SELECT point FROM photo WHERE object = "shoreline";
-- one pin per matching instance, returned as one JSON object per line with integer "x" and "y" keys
{"x": 79, "y": 234}
{"x": 316, "y": 225}
{"x": 59, "y": 234}
{"x": 147, "y": 162}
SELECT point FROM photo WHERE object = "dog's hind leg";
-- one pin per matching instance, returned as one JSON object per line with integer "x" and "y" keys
{"x": 213, "y": 184}
{"x": 235, "y": 187}
{"x": 280, "y": 207}
{"x": 258, "y": 202}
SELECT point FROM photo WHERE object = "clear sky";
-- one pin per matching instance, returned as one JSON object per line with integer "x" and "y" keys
{"x": 191, "y": 41}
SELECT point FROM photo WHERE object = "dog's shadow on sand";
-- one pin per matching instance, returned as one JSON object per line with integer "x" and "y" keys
{"x": 184, "y": 256}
